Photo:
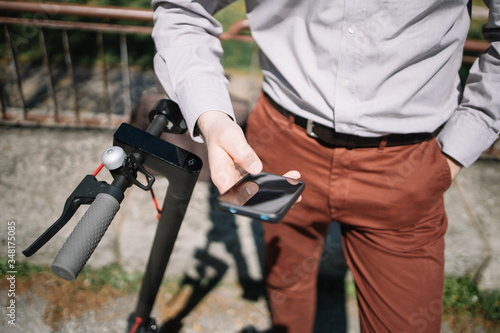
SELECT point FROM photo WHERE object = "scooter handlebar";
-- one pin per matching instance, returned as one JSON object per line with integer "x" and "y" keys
{"x": 83, "y": 240}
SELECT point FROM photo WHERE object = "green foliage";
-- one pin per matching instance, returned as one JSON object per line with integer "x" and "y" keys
{"x": 23, "y": 270}
{"x": 113, "y": 276}
{"x": 460, "y": 294}
{"x": 476, "y": 29}
{"x": 464, "y": 73}
{"x": 490, "y": 305}
{"x": 350, "y": 289}
{"x": 237, "y": 55}
{"x": 231, "y": 14}
{"x": 123, "y": 3}
{"x": 83, "y": 44}
{"x": 462, "y": 298}
{"x": 95, "y": 278}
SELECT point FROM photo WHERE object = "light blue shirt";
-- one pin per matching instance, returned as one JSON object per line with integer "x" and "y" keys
{"x": 367, "y": 68}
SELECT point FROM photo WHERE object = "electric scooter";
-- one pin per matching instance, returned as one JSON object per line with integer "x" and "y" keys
{"x": 134, "y": 152}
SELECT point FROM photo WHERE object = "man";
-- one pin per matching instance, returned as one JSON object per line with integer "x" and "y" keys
{"x": 363, "y": 99}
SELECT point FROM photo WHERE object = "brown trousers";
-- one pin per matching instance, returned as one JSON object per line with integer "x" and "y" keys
{"x": 389, "y": 202}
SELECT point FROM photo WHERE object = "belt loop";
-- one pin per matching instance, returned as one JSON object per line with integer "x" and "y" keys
{"x": 383, "y": 143}
{"x": 291, "y": 121}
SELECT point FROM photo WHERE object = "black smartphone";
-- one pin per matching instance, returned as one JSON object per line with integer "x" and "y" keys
{"x": 263, "y": 196}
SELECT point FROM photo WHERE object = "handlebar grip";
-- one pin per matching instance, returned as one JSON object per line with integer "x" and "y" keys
{"x": 83, "y": 240}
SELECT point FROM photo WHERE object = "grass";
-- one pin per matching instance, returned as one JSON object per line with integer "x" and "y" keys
{"x": 92, "y": 280}
{"x": 93, "y": 289}
{"x": 464, "y": 303}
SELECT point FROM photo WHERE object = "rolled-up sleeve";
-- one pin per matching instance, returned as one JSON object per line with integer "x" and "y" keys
{"x": 188, "y": 59}
{"x": 475, "y": 125}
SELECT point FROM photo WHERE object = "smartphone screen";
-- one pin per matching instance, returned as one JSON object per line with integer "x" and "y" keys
{"x": 264, "y": 196}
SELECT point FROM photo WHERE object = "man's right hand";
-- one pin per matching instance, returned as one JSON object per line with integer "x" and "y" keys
{"x": 229, "y": 154}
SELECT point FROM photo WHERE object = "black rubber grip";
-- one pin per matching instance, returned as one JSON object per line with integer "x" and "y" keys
{"x": 82, "y": 242}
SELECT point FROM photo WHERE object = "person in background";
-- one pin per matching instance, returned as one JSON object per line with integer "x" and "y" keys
{"x": 364, "y": 100}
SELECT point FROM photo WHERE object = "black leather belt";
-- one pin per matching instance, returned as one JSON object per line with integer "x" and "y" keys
{"x": 329, "y": 136}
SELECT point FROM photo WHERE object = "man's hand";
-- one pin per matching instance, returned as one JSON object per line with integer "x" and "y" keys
{"x": 229, "y": 154}
{"x": 454, "y": 167}
{"x": 245, "y": 190}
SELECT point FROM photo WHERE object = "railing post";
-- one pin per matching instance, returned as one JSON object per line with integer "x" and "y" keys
{"x": 127, "y": 94}
{"x": 50, "y": 84}
{"x": 4, "y": 103}
{"x": 15, "y": 71}
{"x": 105, "y": 95}
{"x": 71, "y": 76}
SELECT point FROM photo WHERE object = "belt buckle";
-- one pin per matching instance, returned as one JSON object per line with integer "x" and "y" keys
{"x": 310, "y": 129}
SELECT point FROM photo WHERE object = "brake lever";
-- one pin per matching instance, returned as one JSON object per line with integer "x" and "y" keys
{"x": 84, "y": 194}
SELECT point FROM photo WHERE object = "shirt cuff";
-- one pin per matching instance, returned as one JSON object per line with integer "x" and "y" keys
{"x": 201, "y": 95}
{"x": 198, "y": 95}
{"x": 465, "y": 137}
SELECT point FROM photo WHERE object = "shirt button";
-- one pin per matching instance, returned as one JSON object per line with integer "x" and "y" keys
{"x": 344, "y": 128}
{"x": 351, "y": 29}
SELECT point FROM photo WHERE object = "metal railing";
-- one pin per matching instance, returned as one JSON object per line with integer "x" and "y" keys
{"x": 46, "y": 15}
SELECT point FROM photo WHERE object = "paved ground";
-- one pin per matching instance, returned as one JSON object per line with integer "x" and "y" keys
{"x": 39, "y": 167}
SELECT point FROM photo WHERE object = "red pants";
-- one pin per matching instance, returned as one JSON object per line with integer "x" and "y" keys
{"x": 389, "y": 201}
